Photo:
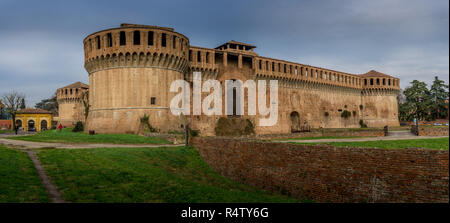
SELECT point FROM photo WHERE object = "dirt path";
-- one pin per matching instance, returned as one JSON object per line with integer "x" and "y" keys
{"x": 52, "y": 191}
{"x": 37, "y": 145}
{"x": 386, "y": 138}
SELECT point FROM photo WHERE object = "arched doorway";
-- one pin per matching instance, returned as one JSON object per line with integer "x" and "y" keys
{"x": 31, "y": 125}
{"x": 43, "y": 125}
{"x": 19, "y": 123}
{"x": 295, "y": 122}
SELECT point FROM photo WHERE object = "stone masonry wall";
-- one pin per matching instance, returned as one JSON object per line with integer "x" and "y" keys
{"x": 329, "y": 174}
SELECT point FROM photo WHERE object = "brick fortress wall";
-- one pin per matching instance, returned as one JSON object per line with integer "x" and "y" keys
{"x": 329, "y": 174}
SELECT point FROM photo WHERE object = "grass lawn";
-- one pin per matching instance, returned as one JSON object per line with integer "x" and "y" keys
{"x": 66, "y": 135}
{"x": 143, "y": 175}
{"x": 6, "y": 131}
{"x": 327, "y": 137}
{"x": 436, "y": 143}
{"x": 19, "y": 181}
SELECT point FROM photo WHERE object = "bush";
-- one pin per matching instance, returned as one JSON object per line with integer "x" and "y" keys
{"x": 345, "y": 114}
{"x": 193, "y": 133}
{"x": 145, "y": 120}
{"x": 234, "y": 127}
{"x": 78, "y": 127}
{"x": 362, "y": 124}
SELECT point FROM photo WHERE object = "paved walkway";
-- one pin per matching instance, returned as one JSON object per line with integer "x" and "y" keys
{"x": 37, "y": 145}
{"x": 362, "y": 139}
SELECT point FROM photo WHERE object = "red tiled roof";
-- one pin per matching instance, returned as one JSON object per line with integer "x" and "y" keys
{"x": 77, "y": 85}
{"x": 33, "y": 111}
{"x": 374, "y": 73}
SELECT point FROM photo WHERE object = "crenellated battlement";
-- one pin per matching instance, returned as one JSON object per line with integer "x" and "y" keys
{"x": 136, "y": 46}
{"x": 72, "y": 93}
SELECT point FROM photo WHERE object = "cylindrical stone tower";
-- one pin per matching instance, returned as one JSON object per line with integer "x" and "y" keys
{"x": 130, "y": 71}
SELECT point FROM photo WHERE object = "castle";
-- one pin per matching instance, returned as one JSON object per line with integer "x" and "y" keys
{"x": 131, "y": 68}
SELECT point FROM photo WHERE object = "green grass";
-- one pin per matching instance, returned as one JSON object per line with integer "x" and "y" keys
{"x": 327, "y": 137}
{"x": 19, "y": 181}
{"x": 435, "y": 143}
{"x": 5, "y": 131}
{"x": 66, "y": 135}
{"x": 144, "y": 175}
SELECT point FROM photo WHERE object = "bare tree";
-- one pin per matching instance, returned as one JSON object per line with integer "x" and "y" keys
{"x": 13, "y": 101}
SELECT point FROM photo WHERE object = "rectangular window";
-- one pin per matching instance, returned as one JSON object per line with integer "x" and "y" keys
{"x": 136, "y": 38}
{"x": 150, "y": 38}
{"x": 123, "y": 39}
{"x": 109, "y": 37}
{"x": 199, "y": 56}
{"x": 152, "y": 100}
{"x": 174, "y": 42}
{"x": 163, "y": 40}
{"x": 98, "y": 42}
{"x": 207, "y": 57}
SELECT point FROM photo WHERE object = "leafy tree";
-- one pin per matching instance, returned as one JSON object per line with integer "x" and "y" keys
{"x": 418, "y": 100}
{"x": 13, "y": 101}
{"x": 49, "y": 104}
{"x": 439, "y": 99}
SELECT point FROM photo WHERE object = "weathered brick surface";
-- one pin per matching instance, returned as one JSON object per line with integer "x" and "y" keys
{"x": 329, "y": 174}
{"x": 426, "y": 131}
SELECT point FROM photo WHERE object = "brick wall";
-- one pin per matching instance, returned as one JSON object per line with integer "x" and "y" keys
{"x": 329, "y": 174}
{"x": 430, "y": 131}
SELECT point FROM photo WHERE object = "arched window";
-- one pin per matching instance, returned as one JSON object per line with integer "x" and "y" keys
{"x": 371, "y": 81}
{"x": 123, "y": 38}
{"x": 378, "y": 81}
{"x": 150, "y": 38}
{"x": 384, "y": 81}
{"x": 163, "y": 40}
{"x": 137, "y": 37}
{"x": 389, "y": 82}
{"x": 98, "y": 42}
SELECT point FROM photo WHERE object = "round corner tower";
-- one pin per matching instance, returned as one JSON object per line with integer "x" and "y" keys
{"x": 130, "y": 71}
{"x": 70, "y": 103}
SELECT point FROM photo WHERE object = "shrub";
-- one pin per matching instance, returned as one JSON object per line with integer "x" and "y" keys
{"x": 234, "y": 127}
{"x": 345, "y": 114}
{"x": 362, "y": 124}
{"x": 145, "y": 120}
{"x": 78, "y": 127}
{"x": 193, "y": 133}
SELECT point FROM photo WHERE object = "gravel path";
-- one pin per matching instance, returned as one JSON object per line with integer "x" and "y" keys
{"x": 36, "y": 145}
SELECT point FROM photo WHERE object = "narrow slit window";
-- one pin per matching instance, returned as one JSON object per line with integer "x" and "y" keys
{"x": 98, "y": 42}
{"x": 174, "y": 42}
{"x": 137, "y": 38}
{"x": 150, "y": 38}
{"x": 199, "y": 56}
{"x": 109, "y": 37}
{"x": 163, "y": 40}
{"x": 123, "y": 38}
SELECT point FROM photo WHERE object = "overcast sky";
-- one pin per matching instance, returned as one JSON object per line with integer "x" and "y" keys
{"x": 41, "y": 41}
